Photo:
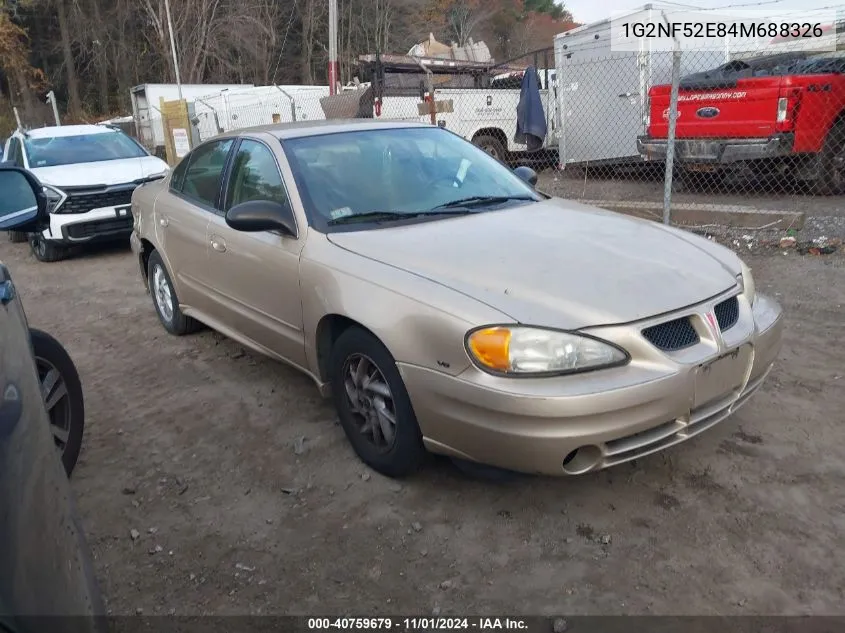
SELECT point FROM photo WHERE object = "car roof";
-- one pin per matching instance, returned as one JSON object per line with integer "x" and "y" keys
{"x": 54, "y": 131}
{"x": 319, "y": 127}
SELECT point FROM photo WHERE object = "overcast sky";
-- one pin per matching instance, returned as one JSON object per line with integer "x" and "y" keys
{"x": 586, "y": 11}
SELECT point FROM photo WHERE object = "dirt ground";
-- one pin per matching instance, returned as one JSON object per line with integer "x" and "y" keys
{"x": 647, "y": 184}
{"x": 195, "y": 444}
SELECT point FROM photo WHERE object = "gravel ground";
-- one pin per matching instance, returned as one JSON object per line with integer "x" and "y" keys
{"x": 246, "y": 498}
{"x": 825, "y": 215}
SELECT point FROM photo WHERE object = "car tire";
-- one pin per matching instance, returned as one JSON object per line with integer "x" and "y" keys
{"x": 365, "y": 414}
{"x": 165, "y": 300}
{"x": 46, "y": 250}
{"x": 63, "y": 397}
{"x": 16, "y": 237}
{"x": 491, "y": 145}
{"x": 831, "y": 179}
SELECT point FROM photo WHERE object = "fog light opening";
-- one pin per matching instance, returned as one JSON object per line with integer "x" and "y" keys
{"x": 581, "y": 460}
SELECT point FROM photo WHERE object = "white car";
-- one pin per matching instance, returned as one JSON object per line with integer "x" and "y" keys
{"x": 89, "y": 173}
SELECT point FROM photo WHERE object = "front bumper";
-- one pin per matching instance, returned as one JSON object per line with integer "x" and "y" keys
{"x": 718, "y": 151}
{"x": 577, "y": 424}
{"x": 99, "y": 225}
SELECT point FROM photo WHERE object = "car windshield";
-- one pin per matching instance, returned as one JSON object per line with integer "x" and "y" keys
{"x": 397, "y": 172}
{"x": 80, "y": 148}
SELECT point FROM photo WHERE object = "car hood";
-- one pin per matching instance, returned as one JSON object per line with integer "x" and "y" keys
{"x": 107, "y": 172}
{"x": 557, "y": 263}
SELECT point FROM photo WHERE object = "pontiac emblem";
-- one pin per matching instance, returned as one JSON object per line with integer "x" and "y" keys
{"x": 714, "y": 325}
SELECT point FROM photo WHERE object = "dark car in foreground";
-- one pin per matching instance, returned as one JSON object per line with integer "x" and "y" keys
{"x": 46, "y": 563}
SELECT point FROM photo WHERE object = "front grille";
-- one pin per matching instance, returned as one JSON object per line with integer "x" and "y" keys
{"x": 727, "y": 313}
{"x": 672, "y": 335}
{"x": 99, "y": 227}
{"x": 83, "y": 202}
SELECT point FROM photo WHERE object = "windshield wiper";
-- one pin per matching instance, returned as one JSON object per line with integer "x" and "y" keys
{"x": 473, "y": 201}
{"x": 370, "y": 216}
{"x": 378, "y": 216}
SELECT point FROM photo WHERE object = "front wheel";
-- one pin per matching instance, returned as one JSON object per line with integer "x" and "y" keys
{"x": 46, "y": 250}
{"x": 61, "y": 390}
{"x": 374, "y": 407}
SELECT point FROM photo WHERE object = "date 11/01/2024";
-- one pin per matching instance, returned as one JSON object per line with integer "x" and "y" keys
{"x": 417, "y": 624}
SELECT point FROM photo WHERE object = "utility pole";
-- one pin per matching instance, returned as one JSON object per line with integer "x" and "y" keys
{"x": 333, "y": 68}
{"x": 173, "y": 48}
{"x": 51, "y": 99}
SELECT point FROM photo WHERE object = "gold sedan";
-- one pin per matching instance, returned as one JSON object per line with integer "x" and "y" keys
{"x": 446, "y": 304}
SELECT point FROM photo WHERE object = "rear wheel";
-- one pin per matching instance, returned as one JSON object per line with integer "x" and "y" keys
{"x": 61, "y": 390}
{"x": 16, "y": 237}
{"x": 374, "y": 407}
{"x": 165, "y": 300}
{"x": 46, "y": 250}
{"x": 831, "y": 180}
{"x": 491, "y": 145}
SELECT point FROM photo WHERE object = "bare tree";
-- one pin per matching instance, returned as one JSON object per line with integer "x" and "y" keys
{"x": 93, "y": 51}
{"x": 74, "y": 103}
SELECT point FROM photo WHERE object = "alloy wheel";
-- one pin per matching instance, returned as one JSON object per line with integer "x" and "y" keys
{"x": 54, "y": 391}
{"x": 370, "y": 401}
{"x": 161, "y": 291}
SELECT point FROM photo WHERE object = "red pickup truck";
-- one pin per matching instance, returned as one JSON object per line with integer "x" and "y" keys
{"x": 779, "y": 113}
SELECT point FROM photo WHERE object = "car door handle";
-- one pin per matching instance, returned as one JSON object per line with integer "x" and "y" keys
{"x": 218, "y": 245}
{"x": 163, "y": 221}
{"x": 7, "y": 292}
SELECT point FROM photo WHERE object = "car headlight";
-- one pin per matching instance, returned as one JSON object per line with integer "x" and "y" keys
{"x": 519, "y": 351}
{"x": 55, "y": 198}
{"x": 746, "y": 282}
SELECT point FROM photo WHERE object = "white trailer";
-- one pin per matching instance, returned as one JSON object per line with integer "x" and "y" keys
{"x": 602, "y": 94}
{"x": 145, "y": 103}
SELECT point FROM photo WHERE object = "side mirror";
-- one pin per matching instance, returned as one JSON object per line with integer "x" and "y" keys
{"x": 23, "y": 201}
{"x": 262, "y": 215}
{"x": 527, "y": 174}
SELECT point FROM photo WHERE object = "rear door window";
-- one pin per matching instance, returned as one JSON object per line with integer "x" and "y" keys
{"x": 178, "y": 177}
{"x": 205, "y": 172}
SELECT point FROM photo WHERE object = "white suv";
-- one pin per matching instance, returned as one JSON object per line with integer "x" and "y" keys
{"x": 89, "y": 173}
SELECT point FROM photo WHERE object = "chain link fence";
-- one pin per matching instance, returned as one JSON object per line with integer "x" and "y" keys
{"x": 760, "y": 128}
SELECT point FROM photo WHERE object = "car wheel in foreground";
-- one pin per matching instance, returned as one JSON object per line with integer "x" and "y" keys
{"x": 62, "y": 393}
{"x": 373, "y": 404}
{"x": 165, "y": 300}
{"x": 45, "y": 250}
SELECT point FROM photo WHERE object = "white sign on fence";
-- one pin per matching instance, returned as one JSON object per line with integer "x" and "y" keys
{"x": 181, "y": 143}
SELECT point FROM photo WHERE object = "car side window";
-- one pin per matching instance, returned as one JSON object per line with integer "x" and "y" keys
{"x": 255, "y": 176}
{"x": 178, "y": 177}
{"x": 205, "y": 171}
{"x": 15, "y": 156}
